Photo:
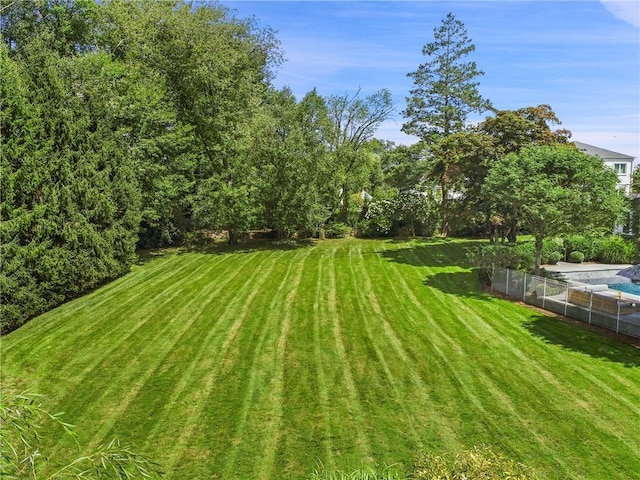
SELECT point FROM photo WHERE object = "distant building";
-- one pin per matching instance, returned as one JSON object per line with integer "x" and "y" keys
{"x": 622, "y": 164}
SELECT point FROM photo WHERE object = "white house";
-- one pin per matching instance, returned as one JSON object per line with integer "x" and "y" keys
{"x": 622, "y": 164}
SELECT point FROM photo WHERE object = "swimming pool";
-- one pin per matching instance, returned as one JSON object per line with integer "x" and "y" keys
{"x": 632, "y": 288}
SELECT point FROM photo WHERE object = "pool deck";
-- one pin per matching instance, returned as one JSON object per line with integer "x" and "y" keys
{"x": 593, "y": 274}
{"x": 566, "y": 267}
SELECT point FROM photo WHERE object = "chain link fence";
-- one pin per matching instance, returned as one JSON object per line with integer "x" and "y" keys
{"x": 593, "y": 304}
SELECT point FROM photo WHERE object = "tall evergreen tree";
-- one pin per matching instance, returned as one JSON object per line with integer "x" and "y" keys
{"x": 445, "y": 92}
{"x": 70, "y": 202}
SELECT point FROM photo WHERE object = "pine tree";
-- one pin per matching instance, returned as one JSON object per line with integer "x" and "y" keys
{"x": 444, "y": 94}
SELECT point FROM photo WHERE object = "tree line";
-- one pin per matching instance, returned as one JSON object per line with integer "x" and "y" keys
{"x": 131, "y": 125}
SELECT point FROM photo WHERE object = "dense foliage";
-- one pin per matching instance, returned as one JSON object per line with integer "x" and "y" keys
{"x": 70, "y": 200}
{"x": 122, "y": 124}
{"x": 142, "y": 124}
{"x": 551, "y": 190}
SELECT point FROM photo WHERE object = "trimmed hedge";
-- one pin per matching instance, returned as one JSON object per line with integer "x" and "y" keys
{"x": 576, "y": 257}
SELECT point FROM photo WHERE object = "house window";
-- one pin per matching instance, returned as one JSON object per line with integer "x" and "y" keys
{"x": 620, "y": 168}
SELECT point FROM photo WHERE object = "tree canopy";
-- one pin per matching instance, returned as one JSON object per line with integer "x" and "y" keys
{"x": 445, "y": 89}
{"x": 555, "y": 190}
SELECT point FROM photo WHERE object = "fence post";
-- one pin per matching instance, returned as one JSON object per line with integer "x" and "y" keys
{"x": 507, "y": 284}
{"x": 618, "y": 320}
{"x": 524, "y": 288}
{"x": 566, "y": 298}
{"x": 544, "y": 291}
{"x": 493, "y": 275}
{"x": 590, "y": 306}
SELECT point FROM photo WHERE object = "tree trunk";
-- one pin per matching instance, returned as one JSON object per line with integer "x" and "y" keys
{"x": 538, "y": 260}
{"x": 345, "y": 205}
{"x": 444, "y": 225}
{"x": 512, "y": 232}
{"x": 233, "y": 238}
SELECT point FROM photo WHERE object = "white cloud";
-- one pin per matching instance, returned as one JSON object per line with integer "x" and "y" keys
{"x": 627, "y": 10}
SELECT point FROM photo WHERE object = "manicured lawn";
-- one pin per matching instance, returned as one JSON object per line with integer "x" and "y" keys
{"x": 259, "y": 363}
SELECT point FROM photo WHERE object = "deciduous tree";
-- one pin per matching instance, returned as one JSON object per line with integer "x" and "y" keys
{"x": 287, "y": 148}
{"x": 354, "y": 122}
{"x": 513, "y": 130}
{"x": 555, "y": 190}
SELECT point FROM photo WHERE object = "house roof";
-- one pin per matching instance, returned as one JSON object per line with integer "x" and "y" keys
{"x": 602, "y": 153}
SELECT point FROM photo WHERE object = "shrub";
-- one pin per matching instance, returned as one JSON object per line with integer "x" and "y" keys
{"x": 617, "y": 250}
{"x": 550, "y": 250}
{"x": 590, "y": 246}
{"x": 576, "y": 257}
{"x": 377, "y": 219}
{"x": 508, "y": 256}
{"x": 338, "y": 230}
{"x": 553, "y": 258}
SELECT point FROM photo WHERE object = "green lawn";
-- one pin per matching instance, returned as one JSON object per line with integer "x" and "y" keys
{"x": 259, "y": 363}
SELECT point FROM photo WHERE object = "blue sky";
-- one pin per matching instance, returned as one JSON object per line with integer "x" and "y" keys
{"x": 582, "y": 58}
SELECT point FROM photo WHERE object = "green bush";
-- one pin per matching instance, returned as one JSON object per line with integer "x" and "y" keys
{"x": 509, "y": 256}
{"x": 337, "y": 230}
{"x": 576, "y": 257}
{"x": 590, "y": 246}
{"x": 550, "y": 251}
{"x": 553, "y": 258}
{"x": 617, "y": 250}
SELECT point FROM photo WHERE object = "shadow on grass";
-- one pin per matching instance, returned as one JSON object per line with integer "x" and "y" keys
{"x": 449, "y": 255}
{"x": 576, "y": 337}
{"x": 431, "y": 252}
{"x": 462, "y": 283}
{"x": 222, "y": 248}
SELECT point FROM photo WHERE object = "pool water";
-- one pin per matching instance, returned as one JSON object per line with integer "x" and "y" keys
{"x": 632, "y": 288}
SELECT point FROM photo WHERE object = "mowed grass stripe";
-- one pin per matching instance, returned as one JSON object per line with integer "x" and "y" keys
{"x": 146, "y": 357}
{"x": 389, "y": 352}
{"x": 343, "y": 311}
{"x": 59, "y": 326}
{"x": 320, "y": 353}
{"x": 490, "y": 401}
{"x": 348, "y": 351}
{"x": 207, "y": 347}
{"x": 440, "y": 345}
{"x": 262, "y": 393}
{"x": 227, "y": 322}
{"x": 274, "y": 398}
{"x": 170, "y": 327}
{"x": 153, "y": 326}
{"x": 422, "y": 336}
